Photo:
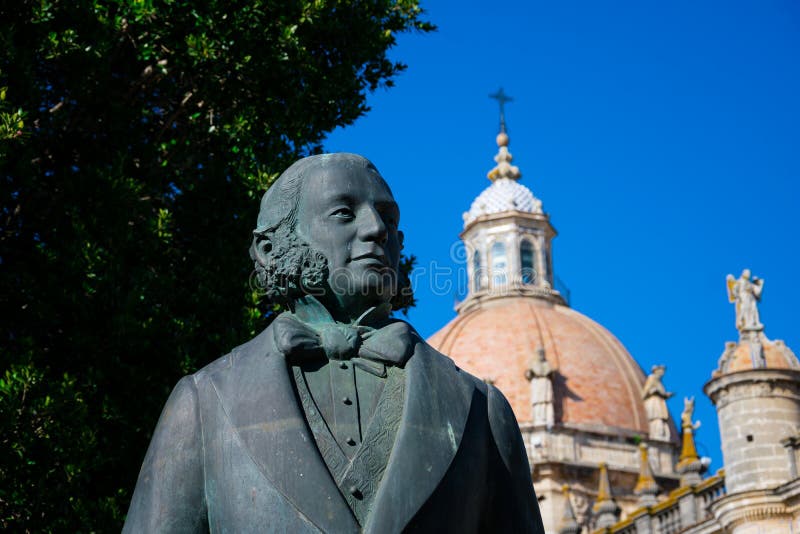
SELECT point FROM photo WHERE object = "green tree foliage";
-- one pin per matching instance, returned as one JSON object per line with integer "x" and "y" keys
{"x": 12, "y": 122}
{"x": 135, "y": 139}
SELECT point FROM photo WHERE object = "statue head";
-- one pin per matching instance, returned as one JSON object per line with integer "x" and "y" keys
{"x": 658, "y": 370}
{"x": 328, "y": 227}
{"x": 746, "y": 274}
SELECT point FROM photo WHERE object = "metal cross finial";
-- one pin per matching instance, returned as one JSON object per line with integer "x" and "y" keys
{"x": 502, "y": 98}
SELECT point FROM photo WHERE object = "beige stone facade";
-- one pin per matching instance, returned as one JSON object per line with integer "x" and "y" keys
{"x": 756, "y": 391}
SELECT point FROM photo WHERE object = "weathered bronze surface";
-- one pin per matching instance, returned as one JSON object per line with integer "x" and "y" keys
{"x": 337, "y": 417}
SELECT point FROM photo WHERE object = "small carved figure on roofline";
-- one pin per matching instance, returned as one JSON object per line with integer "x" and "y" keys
{"x": 540, "y": 375}
{"x": 686, "y": 415}
{"x": 655, "y": 404}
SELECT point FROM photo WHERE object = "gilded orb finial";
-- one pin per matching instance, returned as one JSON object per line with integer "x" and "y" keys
{"x": 502, "y": 139}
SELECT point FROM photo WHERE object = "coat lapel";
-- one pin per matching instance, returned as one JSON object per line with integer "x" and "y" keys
{"x": 435, "y": 413}
{"x": 257, "y": 394}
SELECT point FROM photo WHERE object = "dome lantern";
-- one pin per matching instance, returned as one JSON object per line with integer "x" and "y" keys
{"x": 507, "y": 234}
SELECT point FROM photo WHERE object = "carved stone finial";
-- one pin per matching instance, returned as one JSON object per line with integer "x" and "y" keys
{"x": 746, "y": 293}
{"x": 689, "y": 464}
{"x": 604, "y": 486}
{"x": 646, "y": 486}
{"x": 605, "y": 510}
{"x": 655, "y": 404}
{"x": 569, "y": 523}
{"x": 504, "y": 169}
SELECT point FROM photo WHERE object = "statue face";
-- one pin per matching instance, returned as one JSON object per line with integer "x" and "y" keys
{"x": 349, "y": 215}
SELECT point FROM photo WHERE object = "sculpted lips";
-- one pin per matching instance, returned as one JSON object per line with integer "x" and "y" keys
{"x": 371, "y": 257}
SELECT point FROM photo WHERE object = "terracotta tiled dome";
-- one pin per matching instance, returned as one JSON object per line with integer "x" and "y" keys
{"x": 597, "y": 383}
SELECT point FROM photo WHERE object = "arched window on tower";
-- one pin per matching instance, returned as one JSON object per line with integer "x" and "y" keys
{"x": 528, "y": 271}
{"x": 477, "y": 272}
{"x": 548, "y": 267}
{"x": 499, "y": 264}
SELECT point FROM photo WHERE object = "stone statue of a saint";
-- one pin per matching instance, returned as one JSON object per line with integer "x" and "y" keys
{"x": 337, "y": 417}
{"x": 688, "y": 413}
{"x": 746, "y": 293}
{"x": 540, "y": 375}
{"x": 655, "y": 404}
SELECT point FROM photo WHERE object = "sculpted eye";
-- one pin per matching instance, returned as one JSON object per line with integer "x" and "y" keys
{"x": 343, "y": 213}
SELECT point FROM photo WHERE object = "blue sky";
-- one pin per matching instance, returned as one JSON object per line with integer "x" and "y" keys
{"x": 662, "y": 137}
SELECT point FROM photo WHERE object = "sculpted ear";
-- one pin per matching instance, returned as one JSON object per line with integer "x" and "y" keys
{"x": 401, "y": 239}
{"x": 260, "y": 249}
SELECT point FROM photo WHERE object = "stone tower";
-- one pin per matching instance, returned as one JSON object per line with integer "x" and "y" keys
{"x": 756, "y": 391}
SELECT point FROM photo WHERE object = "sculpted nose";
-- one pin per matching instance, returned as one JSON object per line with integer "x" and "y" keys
{"x": 372, "y": 227}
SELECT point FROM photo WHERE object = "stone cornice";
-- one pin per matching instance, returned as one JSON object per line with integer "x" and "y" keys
{"x": 633, "y": 471}
{"x": 476, "y": 300}
{"x": 734, "y": 509}
{"x": 596, "y": 430}
{"x": 518, "y": 217}
{"x": 774, "y": 382}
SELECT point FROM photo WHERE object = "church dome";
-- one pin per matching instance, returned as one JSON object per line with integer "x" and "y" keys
{"x": 597, "y": 384}
{"x": 505, "y": 194}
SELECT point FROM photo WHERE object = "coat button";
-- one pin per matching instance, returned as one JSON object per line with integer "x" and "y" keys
{"x": 347, "y": 401}
{"x": 355, "y": 492}
{"x": 350, "y": 441}
{"x": 343, "y": 365}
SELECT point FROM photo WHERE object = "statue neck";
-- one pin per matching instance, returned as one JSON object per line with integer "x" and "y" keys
{"x": 311, "y": 310}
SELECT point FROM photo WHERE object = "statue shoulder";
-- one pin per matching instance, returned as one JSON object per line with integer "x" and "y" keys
{"x": 424, "y": 350}
{"x": 517, "y": 505}
{"x": 240, "y": 357}
{"x": 503, "y": 423}
{"x": 170, "y": 485}
{"x": 181, "y": 407}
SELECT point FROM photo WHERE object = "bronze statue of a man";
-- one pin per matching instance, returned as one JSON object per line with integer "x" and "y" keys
{"x": 336, "y": 418}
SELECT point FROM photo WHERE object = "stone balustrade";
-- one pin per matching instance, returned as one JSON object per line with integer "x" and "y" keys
{"x": 685, "y": 509}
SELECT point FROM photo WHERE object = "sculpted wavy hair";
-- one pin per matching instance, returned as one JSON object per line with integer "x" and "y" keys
{"x": 287, "y": 267}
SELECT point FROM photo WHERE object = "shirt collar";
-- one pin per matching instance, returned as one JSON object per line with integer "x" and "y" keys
{"x": 310, "y": 310}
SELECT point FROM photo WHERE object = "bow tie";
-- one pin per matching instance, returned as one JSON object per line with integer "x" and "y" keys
{"x": 368, "y": 348}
